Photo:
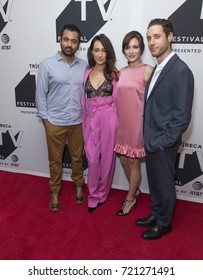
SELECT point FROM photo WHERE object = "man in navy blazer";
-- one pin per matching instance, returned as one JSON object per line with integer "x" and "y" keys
{"x": 167, "y": 113}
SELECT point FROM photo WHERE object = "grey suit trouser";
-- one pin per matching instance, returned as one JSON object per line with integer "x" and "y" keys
{"x": 161, "y": 171}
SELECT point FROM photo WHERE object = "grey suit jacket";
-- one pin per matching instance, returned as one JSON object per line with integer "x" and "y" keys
{"x": 167, "y": 110}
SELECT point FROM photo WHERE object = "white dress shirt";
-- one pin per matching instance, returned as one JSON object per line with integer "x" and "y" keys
{"x": 157, "y": 72}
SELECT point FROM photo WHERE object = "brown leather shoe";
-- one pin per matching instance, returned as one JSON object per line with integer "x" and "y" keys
{"x": 79, "y": 195}
{"x": 54, "y": 202}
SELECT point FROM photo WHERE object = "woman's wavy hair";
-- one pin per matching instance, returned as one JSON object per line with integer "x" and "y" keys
{"x": 110, "y": 72}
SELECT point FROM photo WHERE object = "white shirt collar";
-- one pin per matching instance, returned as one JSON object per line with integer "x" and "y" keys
{"x": 161, "y": 65}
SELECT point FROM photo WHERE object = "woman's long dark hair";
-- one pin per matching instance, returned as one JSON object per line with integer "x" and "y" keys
{"x": 110, "y": 71}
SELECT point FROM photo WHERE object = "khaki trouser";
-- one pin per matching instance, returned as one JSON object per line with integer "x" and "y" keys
{"x": 57, "y": 137}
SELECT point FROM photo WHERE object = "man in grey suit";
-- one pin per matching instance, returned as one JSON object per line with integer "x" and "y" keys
{"x": 167, "y": 113}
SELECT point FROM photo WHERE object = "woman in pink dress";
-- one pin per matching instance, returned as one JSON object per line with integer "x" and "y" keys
{"x": 100, "y": 120}
{"x": 130, "y": 103}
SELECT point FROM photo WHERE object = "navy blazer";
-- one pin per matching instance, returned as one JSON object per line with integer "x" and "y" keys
{"x": 167, "y": 110}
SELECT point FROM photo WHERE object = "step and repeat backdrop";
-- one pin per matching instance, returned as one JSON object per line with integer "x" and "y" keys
{"x": 29, "y": 32}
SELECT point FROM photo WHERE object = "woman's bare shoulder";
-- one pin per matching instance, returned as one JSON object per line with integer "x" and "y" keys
{"x": 148, "y": 72}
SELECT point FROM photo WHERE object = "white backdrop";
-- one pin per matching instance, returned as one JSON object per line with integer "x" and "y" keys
{"x": 28, "y": 35}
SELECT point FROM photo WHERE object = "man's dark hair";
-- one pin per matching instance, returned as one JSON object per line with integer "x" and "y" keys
{"x": 167, "y": 26}
{"x": 71, "y": 27}
{"x": 165, "y": 23}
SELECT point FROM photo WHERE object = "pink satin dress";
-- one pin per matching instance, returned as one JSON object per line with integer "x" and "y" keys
{"x": 130, "y": 106}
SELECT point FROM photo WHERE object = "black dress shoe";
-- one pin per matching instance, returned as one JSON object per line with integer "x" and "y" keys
{"x": 100, "y": 204}
{"x": 91, "y": 209}
{"x": 155, "y": 232}
{"x": 146, "y": 222}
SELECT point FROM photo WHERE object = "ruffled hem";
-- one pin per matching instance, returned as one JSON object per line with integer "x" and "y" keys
{"x": 130, "y": 152}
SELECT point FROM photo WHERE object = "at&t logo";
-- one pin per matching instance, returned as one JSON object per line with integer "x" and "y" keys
{"x": 89, "y": 15}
